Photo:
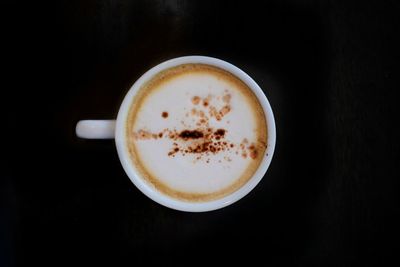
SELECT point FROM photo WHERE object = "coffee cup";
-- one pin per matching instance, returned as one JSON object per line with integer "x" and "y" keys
{"x": 193, "y": 133}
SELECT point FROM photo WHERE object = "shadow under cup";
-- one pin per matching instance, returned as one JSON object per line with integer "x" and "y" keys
{"x": 132, "y": 136}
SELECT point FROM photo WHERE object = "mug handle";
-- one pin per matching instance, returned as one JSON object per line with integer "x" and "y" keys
{"x": 95, "y": 129}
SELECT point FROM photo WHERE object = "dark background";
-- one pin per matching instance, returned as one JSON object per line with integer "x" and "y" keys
{"x": 330, "y": 70}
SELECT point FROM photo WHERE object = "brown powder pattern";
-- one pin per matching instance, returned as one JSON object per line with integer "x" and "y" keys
{"x": 204, "y": 140}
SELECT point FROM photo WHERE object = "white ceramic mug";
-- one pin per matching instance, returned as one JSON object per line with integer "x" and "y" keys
{"x": 108, "y": 129}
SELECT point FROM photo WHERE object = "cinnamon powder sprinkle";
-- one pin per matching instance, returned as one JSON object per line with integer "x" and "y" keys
{"x": 203, "y": 140}
{"x": 226, "y": 98}
{"x": 195, "y": 134}
{"x": 195, "y": 100}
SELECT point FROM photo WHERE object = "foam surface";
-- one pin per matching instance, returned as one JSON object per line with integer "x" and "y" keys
{"x": 200, "y": 102}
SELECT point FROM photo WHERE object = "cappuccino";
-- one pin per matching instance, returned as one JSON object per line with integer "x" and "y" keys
{"x": 196, "y": 132}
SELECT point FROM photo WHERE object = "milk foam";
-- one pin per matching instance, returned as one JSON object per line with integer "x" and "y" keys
{"x": 222, "y": 105}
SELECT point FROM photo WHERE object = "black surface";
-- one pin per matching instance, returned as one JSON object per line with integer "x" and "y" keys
{"x": 330, "y": 70}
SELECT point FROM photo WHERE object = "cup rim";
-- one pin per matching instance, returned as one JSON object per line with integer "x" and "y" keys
{"x": 148, "y": 190}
